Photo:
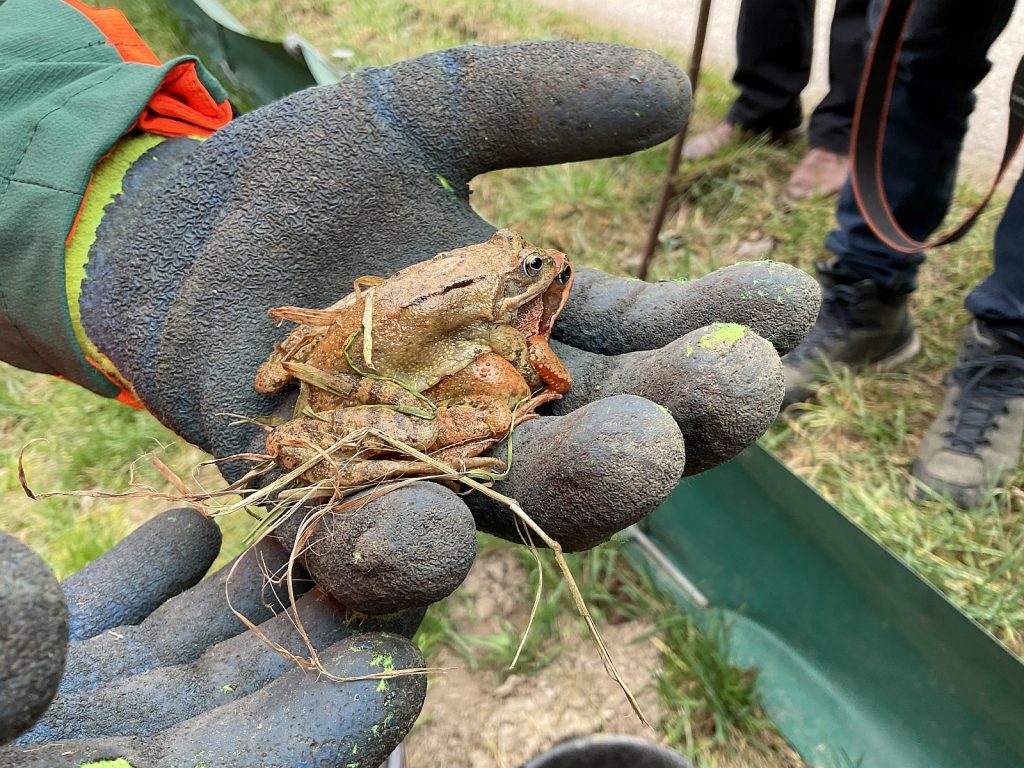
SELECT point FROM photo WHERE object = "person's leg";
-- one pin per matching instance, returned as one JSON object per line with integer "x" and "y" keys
{"x": 823, "y": 169}
{"x": 773, "y": 52}
{"x": 998, "y": 300}
{"x": 864, "y": 318}
{"x": 774, "y": 41}
{"x": 831, "y": 120}
{"x": 943, "y": 59}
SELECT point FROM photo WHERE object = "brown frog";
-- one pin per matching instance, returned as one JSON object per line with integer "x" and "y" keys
{"x": 446, "y": 356}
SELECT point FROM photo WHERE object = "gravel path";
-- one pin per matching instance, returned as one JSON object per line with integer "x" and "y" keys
{"x": 670, "y": 23}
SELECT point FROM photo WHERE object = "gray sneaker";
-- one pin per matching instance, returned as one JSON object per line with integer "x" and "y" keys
{"x": 858, "y": 327}
{"x": 974, "y": 443}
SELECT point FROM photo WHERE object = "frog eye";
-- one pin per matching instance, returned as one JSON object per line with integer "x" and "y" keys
{"x": 564, "y": 275}
{"x": 532, "y": 265}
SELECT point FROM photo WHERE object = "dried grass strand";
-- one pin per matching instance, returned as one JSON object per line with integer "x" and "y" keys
{"x": 554, "y": 546}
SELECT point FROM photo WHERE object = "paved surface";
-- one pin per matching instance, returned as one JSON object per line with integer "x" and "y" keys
{"x": 671, "y": 23}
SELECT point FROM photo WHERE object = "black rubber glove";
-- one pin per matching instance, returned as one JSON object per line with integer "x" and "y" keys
{"x": 184, "y": 682}
{"x": 33, "y": 636}
{"x": 289, "y": 204}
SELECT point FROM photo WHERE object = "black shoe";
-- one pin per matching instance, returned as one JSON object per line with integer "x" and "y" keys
{"x": 974, "y": 443}
{"x": 858, "y": 326}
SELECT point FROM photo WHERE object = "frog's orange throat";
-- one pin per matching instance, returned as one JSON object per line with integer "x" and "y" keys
{"x": 543, "y": 360}
{"x": 554, "y": 299}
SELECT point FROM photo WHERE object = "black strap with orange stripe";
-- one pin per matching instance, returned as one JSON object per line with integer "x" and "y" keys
{"x": 868, "y": 133}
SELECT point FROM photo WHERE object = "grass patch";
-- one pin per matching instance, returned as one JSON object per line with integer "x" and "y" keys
{"x": 612, "y": 591}
{"x": 91, "y": 444}
{"x": 712, "y": 707}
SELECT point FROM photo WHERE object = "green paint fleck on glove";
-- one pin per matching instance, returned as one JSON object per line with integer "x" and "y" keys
{"x": 118, "y": 763}
{"x": 723, "y": 336}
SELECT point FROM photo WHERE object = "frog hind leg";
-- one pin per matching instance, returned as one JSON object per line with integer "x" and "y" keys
{"x": 312, "y": 326}
{"x": 358, "y": 424}
{"x": 347, "y": 471}
{"x": 303, "y": 439}
{"x": 358, "y": 473}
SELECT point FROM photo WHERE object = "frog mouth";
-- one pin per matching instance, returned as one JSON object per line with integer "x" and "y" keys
{"x": 554, "y": 298}
{"x": 536, "y": 316}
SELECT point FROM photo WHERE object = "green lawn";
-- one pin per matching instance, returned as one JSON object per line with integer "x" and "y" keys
{"x": 854, "y": 445}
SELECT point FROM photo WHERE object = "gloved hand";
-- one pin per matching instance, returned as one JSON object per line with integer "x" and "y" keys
{"x": 289, "y": 204}
{"x": 159, "y": 676}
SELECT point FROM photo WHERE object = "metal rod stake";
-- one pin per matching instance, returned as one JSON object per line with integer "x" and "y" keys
{"x": 677, "y": 146}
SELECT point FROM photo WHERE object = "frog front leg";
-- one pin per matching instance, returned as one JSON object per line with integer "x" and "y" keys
{"x": 548, "y": 365}
{"x": 511, "y": 344}
{"x": 533, "y": 358}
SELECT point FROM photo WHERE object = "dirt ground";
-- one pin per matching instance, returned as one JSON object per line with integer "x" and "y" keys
{"x": 488, "y": 719}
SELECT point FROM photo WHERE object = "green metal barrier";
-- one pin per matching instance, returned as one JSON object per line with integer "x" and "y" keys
{"x": 860, "y": 661}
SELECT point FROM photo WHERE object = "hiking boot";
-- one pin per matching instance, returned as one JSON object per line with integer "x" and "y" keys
{"x": 974, "y": 443}
{"x": 858, "y": 326}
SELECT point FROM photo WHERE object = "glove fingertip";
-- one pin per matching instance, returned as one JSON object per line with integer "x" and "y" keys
{"x": 613, "y": 315}
{"x": 409, "y": 548}
{"x": 733, "y": 394}
{"x": 589, "y": 474}
{"x": 162, "y": 558}
{"x": 34, "y": 639}
{"x": 480, "y": 108}
{"x": 777, "y": 301}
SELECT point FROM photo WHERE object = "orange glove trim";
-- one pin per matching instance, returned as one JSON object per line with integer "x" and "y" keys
{"x": 118, "y": 31}
{"x": 181, "y": 105}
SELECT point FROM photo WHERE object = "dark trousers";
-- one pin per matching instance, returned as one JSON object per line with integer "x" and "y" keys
{"x": 774, "y": 42}
{"x": 944, "y": 57}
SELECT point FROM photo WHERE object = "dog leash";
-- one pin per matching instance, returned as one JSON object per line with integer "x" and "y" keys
{"x": 868, "y": 133}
